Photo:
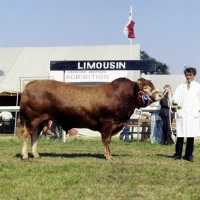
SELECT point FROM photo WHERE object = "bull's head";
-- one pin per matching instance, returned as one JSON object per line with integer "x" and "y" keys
{"x": 147, "y": 87}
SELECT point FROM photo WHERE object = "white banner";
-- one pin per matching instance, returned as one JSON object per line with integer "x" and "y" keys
{"x": 88, "y": 76}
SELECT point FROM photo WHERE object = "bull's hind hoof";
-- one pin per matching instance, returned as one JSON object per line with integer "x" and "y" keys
{"x": 108, "y": 158}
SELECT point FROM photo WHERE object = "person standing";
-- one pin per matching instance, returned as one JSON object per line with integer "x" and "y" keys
{"x": 187, "y": 96}
{"x": 166, "y": 114}
{"x": 156, "y": 124}
{"x": 125, "y": 133}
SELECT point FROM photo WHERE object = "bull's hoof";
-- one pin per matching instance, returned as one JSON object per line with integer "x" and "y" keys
{"x": 24, "y": 159}
{"x": 108, "y": 158}
{"x": 37, "y": 157}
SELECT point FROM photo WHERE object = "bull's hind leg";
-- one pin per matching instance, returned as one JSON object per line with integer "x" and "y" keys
{"x": 106, "y": 139}
{"x": 34, "y": 143}
{"x": 25, "y": 140}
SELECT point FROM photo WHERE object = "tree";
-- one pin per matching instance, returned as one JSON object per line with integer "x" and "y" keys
{"x": 161, "y": 68}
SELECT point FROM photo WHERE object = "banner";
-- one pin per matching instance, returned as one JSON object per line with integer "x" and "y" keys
{"x": 88, "y": 76}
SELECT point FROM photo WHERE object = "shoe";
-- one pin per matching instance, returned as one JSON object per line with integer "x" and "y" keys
{"x": 176, "y": 157}
{"x": 190, "y": 159}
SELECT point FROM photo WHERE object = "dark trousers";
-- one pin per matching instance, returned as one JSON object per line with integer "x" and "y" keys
{"x": 189, "y": 147}
{"x": 167, "y": 131}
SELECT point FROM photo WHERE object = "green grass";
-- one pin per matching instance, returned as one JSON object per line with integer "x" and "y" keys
{"x": 77, "y": 170}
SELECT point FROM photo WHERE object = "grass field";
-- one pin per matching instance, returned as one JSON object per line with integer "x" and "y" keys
{"x": 77, "y": 170}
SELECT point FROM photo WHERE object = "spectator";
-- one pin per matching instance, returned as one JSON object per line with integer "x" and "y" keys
{"x": 125, "y": 133}
{"x": 165, "y": 113}
{"x": 156, "y": 124}
{"x": 50, "y": 133}
{"x": 187, "y": 97}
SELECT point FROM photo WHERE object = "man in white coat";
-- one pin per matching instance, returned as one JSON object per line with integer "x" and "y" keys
{"x": 187, "y": 98}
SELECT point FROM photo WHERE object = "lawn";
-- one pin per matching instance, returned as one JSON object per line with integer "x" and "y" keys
{"x": 77, "y": 170}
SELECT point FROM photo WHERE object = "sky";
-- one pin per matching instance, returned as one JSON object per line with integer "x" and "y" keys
{"x": 167, "y": 30}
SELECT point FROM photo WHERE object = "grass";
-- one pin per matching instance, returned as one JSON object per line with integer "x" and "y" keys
{"x": 77, "y": 170}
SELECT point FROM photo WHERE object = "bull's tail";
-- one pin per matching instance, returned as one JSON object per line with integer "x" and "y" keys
{"x": 19, "y": 126}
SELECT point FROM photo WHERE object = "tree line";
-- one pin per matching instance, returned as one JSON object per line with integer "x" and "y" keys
{"x": 161, "y": 68}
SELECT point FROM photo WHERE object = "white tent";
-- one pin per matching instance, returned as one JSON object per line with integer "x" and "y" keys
{"x": 160, "y": 81}
{"x": 34, "y": 62}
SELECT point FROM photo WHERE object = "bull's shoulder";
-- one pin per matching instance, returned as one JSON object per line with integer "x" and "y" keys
{"x": 124, "y": 83}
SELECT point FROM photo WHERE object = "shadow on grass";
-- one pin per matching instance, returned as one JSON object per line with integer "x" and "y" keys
{"x": 164, "y": 155}
{"x": 65, "y": 155}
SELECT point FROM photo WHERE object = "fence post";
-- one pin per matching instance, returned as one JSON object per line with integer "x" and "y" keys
{"x": 63, "y": 136}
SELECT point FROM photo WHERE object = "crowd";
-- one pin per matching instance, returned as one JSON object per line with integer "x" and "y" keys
{"x": 185, "y": 102}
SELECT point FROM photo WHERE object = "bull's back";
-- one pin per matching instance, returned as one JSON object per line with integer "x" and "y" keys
{"x": 43, "y": 90}
{"x": 48, "y": 95}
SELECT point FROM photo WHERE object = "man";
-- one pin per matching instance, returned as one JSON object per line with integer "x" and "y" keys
{"x": 187, "y": 97}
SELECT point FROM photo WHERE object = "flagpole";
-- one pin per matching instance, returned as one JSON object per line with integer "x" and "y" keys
{"x": 129, "y": 31}
{"x": 131, "y": 38}
{"x": 131, "y": 49}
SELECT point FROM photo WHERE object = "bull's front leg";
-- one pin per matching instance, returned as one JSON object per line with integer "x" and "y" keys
{"x": 25, "y": 140}
{"x": 34, "y": 143}
{"x": 106, "y": 139}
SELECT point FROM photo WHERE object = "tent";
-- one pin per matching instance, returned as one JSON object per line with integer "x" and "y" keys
{"x": 34, "y": 62}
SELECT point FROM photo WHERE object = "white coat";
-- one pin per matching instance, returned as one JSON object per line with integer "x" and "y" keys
{"x": 188, "y": 117}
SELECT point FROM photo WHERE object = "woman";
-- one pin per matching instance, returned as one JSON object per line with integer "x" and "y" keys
{"x": 166, "y": 115}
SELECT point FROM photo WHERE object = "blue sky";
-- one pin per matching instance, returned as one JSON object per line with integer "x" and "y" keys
{"x": 167, "y": 30}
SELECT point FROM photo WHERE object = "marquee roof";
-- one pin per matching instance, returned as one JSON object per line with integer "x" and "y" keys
{"x": 34, "y": 62}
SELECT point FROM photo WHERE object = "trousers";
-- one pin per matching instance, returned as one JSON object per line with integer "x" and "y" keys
{"x": 189, "y": 147}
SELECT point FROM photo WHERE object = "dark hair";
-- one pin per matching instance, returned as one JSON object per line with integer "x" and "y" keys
{"x": 190, "y": 70}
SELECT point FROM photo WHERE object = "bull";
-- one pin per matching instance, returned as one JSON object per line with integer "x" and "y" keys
{"x": 105, "y": 108}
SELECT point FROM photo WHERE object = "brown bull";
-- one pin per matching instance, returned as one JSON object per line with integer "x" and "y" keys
{"x": 105, "y": 108}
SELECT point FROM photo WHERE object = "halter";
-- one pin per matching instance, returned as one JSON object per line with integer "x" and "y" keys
{"x": 144, "y": 97}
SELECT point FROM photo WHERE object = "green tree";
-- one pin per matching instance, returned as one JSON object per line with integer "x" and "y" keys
{"x": 161, "y": 68}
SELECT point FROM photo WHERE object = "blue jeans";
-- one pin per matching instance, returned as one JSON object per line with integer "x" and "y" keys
{"x": 125, "y": 133}
{"x": 156, "y": 125}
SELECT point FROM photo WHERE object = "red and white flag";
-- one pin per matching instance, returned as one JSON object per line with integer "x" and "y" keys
{"x": 128, "y": 29}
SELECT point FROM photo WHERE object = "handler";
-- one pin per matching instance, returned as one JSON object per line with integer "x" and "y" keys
{"x": 187, "y": 96}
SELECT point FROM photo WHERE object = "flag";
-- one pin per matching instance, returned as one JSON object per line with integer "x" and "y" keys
{"x": 185, "y": 67}
{"x": 128, "y": 29}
